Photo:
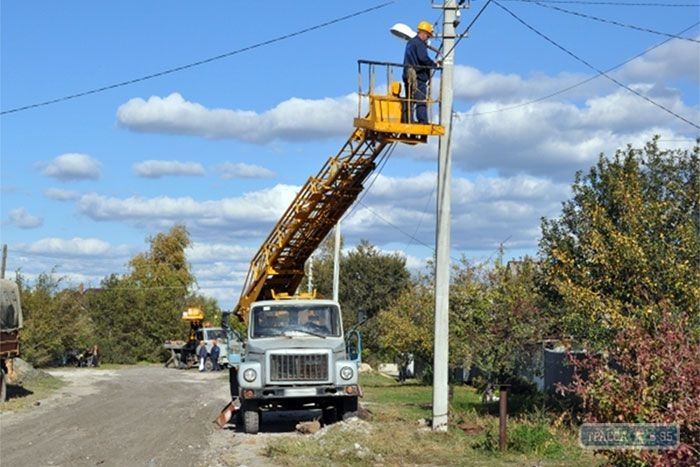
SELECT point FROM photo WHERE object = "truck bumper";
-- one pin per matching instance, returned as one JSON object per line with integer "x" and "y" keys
{"x": 297, "y": 392}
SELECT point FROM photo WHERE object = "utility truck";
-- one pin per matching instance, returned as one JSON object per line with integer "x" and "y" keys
{"x": 296, "y": 355}
{"x": 183, "y": 353}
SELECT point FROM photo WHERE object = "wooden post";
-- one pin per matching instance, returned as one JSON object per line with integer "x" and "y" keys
{"x": 503, "y": 417}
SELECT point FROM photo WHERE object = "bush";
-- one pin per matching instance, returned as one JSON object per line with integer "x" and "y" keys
{"x": 654, "y": 378}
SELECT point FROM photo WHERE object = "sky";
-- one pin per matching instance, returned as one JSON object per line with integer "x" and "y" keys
{"x": 121, "y": 119}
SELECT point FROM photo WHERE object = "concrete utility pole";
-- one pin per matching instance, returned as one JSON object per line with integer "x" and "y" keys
{"x": 442, "y": 255}
{"x": 4, "y": 260}
{"x": 336, "y": 263}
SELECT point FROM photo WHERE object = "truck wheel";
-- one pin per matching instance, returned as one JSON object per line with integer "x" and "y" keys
{"x": 208, "y": 365}
{"x": 330, "y": 415}
{"x": 251, "y": 421}
{"x": 349, "y": 408}
{"x": 3, "y": 387}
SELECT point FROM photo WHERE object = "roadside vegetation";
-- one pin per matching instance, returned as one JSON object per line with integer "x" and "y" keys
{"x": 616, "y": 276}
{"x": 31, "y": 387}
{"x": 398, "y": 433}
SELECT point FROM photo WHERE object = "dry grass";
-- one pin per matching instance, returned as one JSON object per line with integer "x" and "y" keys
{"x": 30, "y": 390}
{"x": 397, "y": 435}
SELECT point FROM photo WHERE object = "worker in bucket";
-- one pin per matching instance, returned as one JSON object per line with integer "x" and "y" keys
{"x": 416, "y": 73}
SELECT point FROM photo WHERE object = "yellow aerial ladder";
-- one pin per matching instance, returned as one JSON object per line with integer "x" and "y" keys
{"x": 278, "y": 267}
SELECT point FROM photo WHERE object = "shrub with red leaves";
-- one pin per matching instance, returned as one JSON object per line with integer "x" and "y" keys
{"x": 650, "y": 376}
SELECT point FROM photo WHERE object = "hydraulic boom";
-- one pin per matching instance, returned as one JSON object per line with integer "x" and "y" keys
{"x": 278, "y": 267}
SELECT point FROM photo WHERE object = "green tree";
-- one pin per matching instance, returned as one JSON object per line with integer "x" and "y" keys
{"x": 319, "y": 269}
{"x": 627, "y": 245}
{"x": 55, "y": 320}
{"x": 497, "y": 316}
{"x": 620, "y": 267}
{"x": 369, "y": 281}
{"x": 136, "y": 313}
{"x": 118, "y": 310}
{"x": 407, "y": 324}
{"x": 41, "y": 341}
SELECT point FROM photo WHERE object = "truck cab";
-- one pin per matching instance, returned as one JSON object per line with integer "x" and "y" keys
{"x": 296, "y": 358}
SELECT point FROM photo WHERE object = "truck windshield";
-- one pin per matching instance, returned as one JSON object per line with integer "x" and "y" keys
{"x": 288, "y": 319}
{"x": 218, "y": 334}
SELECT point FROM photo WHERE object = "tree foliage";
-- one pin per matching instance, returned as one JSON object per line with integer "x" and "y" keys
{"x": 626, "y": 245}
{"x": 137, "y": 312}
{"x": 620, "y": 268}
{"x": 495, "y": 317}
{"x": 407, "y": 324}
{"x": 369, "y": 281}
{"x": 647, "y": 377}
{"x": 498, "y": 315}
{"x": 55, "y": 320}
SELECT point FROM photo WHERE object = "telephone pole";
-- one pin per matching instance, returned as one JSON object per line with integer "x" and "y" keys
{"x": 442, "y": 255}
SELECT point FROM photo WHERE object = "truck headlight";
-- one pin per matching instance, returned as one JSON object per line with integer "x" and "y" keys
{"x": 250, "y": 375}
{"x": 346, "y": 372}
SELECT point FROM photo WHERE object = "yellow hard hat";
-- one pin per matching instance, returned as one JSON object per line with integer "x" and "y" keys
{"x": 425, "y": 26}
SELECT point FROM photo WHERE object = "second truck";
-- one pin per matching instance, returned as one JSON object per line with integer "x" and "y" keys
{"x": 10, "y": 325}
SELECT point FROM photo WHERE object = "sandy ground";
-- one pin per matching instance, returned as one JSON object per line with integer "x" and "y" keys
{"x": 138, "y": 416}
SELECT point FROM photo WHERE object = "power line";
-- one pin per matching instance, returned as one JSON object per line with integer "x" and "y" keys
{"x": 616, "y": 4}
{"x": 603, "y": 20}
{"x": 580, "y": 83}
{"x": 600, "y": 72}
{"x": 197, "y": 63}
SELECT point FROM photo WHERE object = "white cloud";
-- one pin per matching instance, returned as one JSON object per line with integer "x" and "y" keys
{"x": 59, "y": 194}
{"x": 157, "y": 169}
{"x": 73, "y": 247}
{"x": 21, "y": 218}
{"x": 74, "y": 260}
{"x": 471, "y": 84}
{"x": 294, "y": 119}
{"x": 249, "y": 212}
{"x": 72, "y": 166}
{"x": 243, "y": 170}
{"x": 555, "y": 139}
{"x": 676, "y": 59}
{"x": 207, "y": 253}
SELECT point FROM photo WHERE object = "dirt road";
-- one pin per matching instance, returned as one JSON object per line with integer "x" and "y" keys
{"x": 139, "y": 416}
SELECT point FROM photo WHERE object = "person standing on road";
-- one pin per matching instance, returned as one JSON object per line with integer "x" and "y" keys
{"x": 215, "y": 350}
{"x": 202, "y": 353}
{"x": 95, "y": 355}
{"x": 416, "y": 73}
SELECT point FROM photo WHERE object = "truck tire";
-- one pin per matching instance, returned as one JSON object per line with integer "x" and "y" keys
{"x": 251, "y": 421}
{"x": 3, "y": 387}
{"x": 348, "y": 408}
{"x": 330, "y": 415}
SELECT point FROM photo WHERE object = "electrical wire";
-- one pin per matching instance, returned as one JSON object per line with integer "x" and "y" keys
{"x": 603, "y": 20}
{"x": 197, "y": 63}
{"x": 580, "y": 83}
{"x": 600, "y": 72}
{"x": 636, "y": 4}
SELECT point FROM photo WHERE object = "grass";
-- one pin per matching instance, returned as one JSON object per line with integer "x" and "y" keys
{"x": 398, "y": 434}
{"x": 30, "y": 392}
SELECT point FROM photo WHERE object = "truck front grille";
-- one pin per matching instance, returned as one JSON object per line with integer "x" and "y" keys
{"x": 301, "y": 367}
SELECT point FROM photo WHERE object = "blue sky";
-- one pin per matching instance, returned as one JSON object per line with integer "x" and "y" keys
{"x": 223, "y": 146}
